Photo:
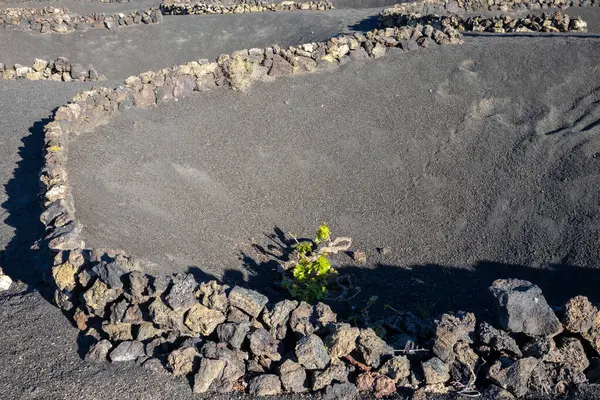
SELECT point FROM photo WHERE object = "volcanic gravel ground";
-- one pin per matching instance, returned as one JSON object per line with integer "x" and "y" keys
{"x": 469, "y": 162}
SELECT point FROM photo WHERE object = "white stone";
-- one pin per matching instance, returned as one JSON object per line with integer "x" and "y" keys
{"x": 5, "y": 282}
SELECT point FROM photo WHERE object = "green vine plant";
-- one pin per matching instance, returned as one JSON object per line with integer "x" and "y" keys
{"x": 309, "y": 275}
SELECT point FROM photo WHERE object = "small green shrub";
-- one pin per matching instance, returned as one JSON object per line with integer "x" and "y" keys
{"x": 311, "y": 271}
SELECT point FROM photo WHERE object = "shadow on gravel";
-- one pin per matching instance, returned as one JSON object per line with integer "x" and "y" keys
{"x": 23, "y": 210}
{"x": 367, "y": 24}
{"x": 426, "y": 290}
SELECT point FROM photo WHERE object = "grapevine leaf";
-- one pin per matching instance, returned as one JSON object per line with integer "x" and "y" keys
{"x": 323, "y": 234}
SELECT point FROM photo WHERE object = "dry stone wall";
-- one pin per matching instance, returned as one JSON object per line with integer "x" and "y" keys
{"x": 176, "y": 7}
{"x": 445, "y": 6}
{"x": 227, "y": 339}
{"x": 61, "y": 20}
{"x": 59, "y": 70}
{"x": 548, "y": 23}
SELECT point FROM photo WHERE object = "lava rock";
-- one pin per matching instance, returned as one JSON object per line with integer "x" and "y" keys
{"x": 154, "y": 365}
{"x": 98, "y": 296}
{"x": 371, "y": 349}
{"x": 523, "y": 308}
{"x": 118, "y": 332}
{"x": 62, "y": 64}
{"x": 208, "y": 372}
{"x": 436, "y": 371}
{"x": 233, "y": 334}
{"x": 311, "y": 352}
{"x": 117, "y": 311}
{"x": 203, "y": 320}
{"x": 64, "y": 275}
{"x": 158, "y": 285}
{"x": 293, "y": 377}
{"x": 569, "y": 351}
{"x": 359, "y": 257}
{"x": 183, "y": 361}
{"x": 166, "y": 318}
{"x": 276, "y": 319}
{"x": 359, "y": 54}
{"x": 336, "y": 372}
{"x": 145, "y": 97}
{"x": 127, "y": 351}
{"x": 384, "y": 386}
{"x": 99, "y": 351}
{"x": 79, "y": 72}
{"x": 300, "y": 319}
{"x": 249, "y": 301}
{"x": 181, "y": 296}
{"x": 341, "y": 391}
{"x": 263, "y": 344}
{"x": 342, "y": 341}
{"x": 579, "y": 315}
{"x": 555, "y": 379}
{"x": 237, "y": 315}
{"x": 324, "y": 315}
{"x": 515, "y": 377}
{"x": 280, "y": 67}
{"x": 110, "y": 273}
{"x": 451, "y": 329}
{"x": 137, "y": 286}
{"x": 183, "y": 85}
{"x": 308, "y": 319}
{"x": 233, "y": 369}
{"x": 498, "y": 340}
{"x": 147, "y": 331}
{"x": 396, "y": 368}
{"x": 213, "y": 296}
{"x": 264, "y": 385}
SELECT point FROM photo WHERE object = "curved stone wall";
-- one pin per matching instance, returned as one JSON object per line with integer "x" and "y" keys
{"x": 233, "y": 339}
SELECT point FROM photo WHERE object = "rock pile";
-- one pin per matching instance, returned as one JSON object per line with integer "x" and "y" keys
{"x": 549, "y": 23}
{"x": 61, "y": 20}
{"x": 233, "y": 339}
{"x": 177, "y": 7}
{"x": 60, "y": 70}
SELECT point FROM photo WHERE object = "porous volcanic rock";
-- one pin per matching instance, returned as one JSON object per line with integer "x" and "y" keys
{"x": 127, "y": 351}
{"x": 371, "y": 349}
{"x": 293, "y": 377}
{"x": 311, "y": 352}
{"x": 249, "y": 301}
{"x": 264, "y": 385}
{"x": 523, "y": 309}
